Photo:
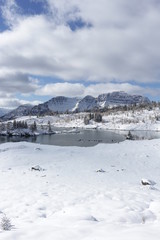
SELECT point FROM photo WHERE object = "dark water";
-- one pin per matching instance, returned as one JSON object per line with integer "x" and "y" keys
{"x": 83, "y": 138}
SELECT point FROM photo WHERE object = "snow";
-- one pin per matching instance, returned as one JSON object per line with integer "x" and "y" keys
{"x": 18, "y": 112}
{"x": 138, "y": 120}
{"x": 70, "y": 199}
{"x": 62, "y": 104}
{"x": 120, "y": 98}
{"x": 134, "y": 120}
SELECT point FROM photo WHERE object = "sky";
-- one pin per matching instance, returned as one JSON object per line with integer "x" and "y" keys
{"x": 76, "y": 48}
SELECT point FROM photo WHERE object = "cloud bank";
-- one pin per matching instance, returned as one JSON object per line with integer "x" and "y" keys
{"x": 112, "y": 41}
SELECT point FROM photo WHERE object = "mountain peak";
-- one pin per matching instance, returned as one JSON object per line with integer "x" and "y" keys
{"x": 63, "y": 104}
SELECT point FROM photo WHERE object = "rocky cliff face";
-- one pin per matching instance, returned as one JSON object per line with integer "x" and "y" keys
{"x": 58, "y": 104}
{"x": 64, "y": 104}
{"x": 120, "y": 98}
{"x": 87, "y": 103}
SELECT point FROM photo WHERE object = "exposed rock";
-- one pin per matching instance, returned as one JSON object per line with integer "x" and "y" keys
{"x": 87, "y": 103}
{"x": 67, "y": 105}
{"x": 147, "y": 182}
{"x": 120, "y": 98}
{"x": 101, "y": 170}
{"x": 37, "y": 168}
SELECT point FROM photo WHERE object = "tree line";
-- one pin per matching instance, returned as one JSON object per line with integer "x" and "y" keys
{"x": 11, "y": 126}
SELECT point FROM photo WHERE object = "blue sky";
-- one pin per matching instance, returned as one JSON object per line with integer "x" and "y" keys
{"x": 31, "y": 7}
{"x": 77, "y": 48}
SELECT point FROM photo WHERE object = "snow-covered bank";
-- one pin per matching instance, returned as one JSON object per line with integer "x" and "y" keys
{"x": 146, "y": 120}
{"x": 70, "y": 199}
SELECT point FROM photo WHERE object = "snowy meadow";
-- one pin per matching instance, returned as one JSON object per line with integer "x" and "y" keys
{"x": 51, "y": 192}
{"x": 79, "y": 120}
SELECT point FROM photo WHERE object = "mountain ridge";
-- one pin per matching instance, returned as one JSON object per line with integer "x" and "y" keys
{"x": 61, "y": 104}
{"x": 4, "y": 111}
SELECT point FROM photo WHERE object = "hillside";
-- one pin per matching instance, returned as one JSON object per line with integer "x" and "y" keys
{"x": 4, "y": 111}
{"x": 23, "y": 110}
{"x": 69, "y": 105}
{"x": 140, "y": 119}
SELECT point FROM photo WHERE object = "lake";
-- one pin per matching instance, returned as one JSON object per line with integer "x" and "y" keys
{"x": 81, "y": 138}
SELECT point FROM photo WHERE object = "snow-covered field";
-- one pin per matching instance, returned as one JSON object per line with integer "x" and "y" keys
{"x": 121, "y": 120}
{"x": 70, "y": 200}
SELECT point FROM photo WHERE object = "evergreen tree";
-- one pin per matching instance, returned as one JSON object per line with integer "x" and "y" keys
{"x": 25, "y": 125}
{"x": 49, "y": 127}
{"x": 14, "y": 124}
{"x": 3, "y": 127}
{"x": 33, "y": 127}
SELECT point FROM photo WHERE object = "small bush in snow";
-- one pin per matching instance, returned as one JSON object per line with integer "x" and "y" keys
{"x": 5, "y": 224}
{"x": 143, "y": 220}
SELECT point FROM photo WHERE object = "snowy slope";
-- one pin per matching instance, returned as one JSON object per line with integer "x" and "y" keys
{"x": 141, "y": 119}
{"x": 120, "y": 98}
{"x": 69, "y": 199}
{"x": 87, "y": 103}
{"x": 64, "y": 104}
{"x": 18, "y": 112}
{"x": 4, "y": 111}
{"x": 57, "y": 104}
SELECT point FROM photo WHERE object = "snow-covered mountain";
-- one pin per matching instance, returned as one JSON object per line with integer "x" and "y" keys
{"x": 120, "y": 98}
{"x": 65, "y": 104}
{"x": 87, "y": 103}
{"x": 58, "y": 104}
{"x": 22, "y": 110}
{"x": 4, "y": 111}
{"x": 62, "y": 104}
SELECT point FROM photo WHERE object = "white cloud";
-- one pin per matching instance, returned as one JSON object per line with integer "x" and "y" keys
{"x": 62, "y": 89}
{"x": 17, "y": 83}
{"x": 76, "y": 90}
{"x": 15, "y": 102}
{"x": 10, "y": 12}
{"x": 121, "y": 45}
{"x": 79, "y": 90}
